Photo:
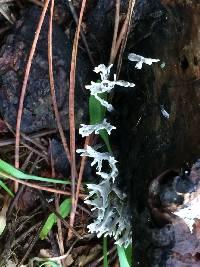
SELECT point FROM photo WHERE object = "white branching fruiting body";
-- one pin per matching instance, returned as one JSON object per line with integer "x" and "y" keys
{"x": 112, "y": 211}
{"x": 97, "y": 88}
{"x": 86, "y": 130}
{"x": 113, "y": 217}
{"x": 98, "y": 158}
{"x": 141, "y": 60}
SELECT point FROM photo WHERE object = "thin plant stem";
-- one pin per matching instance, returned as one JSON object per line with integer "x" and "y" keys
{"x": 52, "y": 85}
{"x": 44, "y": 188}
{"x": 124, "y": 41}
{"x": 116, "y": 27}
{"x": 73, "y": 11}
{"x": 80, "y": 177}
{"x": 71, "y": 104}
{"x": 24, "y": 86}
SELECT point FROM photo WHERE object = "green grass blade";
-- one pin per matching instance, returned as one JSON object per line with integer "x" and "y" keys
{"x": 128, "y": 252}
{"x": 105, "y": 252}
{"x": 65, "y": 208}
{"x": 6, "y": 168}
{"x": 49, "y": 263}
{"x": 97, "y": 114}
{"x": 6, "y": 188}
{"x": 122, "y": 257}
{"x": 96, "y": 110}
{"x": 104, "y": 135}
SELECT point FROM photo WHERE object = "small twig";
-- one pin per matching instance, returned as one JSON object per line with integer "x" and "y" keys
{"x": 11, "y": 141}
{"x": 71, "y": 104}
{"x": 84, "y": 209}
{"x": 44, "y": 188}
{"x": 24, "y": 86}
{"x": 73, "y": 11}
{"x": 60, "y": 258}
{"x": 126, "y": 33}
{"x": 121, "y": 36}
{"x": 27, "y": 138}
{"x": 31, "y": 244}
{"x": 27, "y": 219}
{"x": 41, "y": 154}
{"x": 58, "y": 215}
{"x": 97, "y": 263}
{"x": 26, "y": 233}
{"x": 80, "y": 176}
{"x": 52, "y": 86}
{"x": 124, "y": 29}
{"x": 113, "y": 48}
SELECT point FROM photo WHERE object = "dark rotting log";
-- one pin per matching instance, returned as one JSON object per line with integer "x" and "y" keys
{"x": 151, "y": 143}
{"x": 173, "y": 243}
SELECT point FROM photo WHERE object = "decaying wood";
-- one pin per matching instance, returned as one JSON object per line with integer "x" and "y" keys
{"x": 153, "y": 143}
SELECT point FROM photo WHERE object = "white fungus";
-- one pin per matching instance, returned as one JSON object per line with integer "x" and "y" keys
{"x": 105, "y": 85}
{"x": 86, "y": 130}
{"x": 141, "y": 60}
{"x": 164, "y": 112}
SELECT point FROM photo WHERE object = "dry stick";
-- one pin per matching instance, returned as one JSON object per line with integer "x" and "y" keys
{"x": 116, "y": 27}
{"x": 37, "y": 144}
{"x": 44, "y": 188}
{"x": 27, "y": 138}
{"x": 24, "y": 86}
{"x": 31, "y": 245}
{"x": 124, "y": 41}
{"x": 80, "y": 176}
{"x": 58, "y": 215}
{"x": 26, "y": 233}
{"x": 73, "y": 11}
{"x": 41, "y": 154}
{"x": 71, "y": 107}
{"x": 52, "y": 86}
{"x": 120, "y": 37}
{"x": 97, "y": 263}
{"x": 125, "y": 26}
{"x": 36, "y": 237}
{"x": 11, "y": 141}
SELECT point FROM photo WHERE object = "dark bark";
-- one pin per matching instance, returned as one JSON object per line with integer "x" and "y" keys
{"x": 151, "y": 143}
{"x": 38, "y": 113}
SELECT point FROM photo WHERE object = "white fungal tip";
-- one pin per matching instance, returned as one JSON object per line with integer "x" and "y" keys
{"x": 141, "y": 60}
{"x": 164, "y": 112}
